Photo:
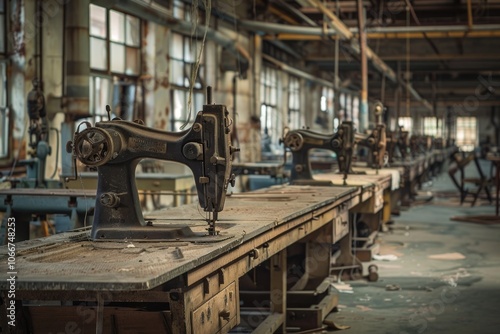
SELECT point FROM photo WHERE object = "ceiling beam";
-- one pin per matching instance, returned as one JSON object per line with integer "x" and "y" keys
{"x": 416, "y": 57}
{"x": 378, "y": 63}
{"x": 388, "y": 35}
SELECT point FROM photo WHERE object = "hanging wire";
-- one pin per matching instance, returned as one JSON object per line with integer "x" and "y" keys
{"x": 194, "y": 70}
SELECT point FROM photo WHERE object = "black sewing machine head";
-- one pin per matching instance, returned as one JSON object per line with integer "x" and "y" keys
{"x": 115, "y": 147}
{"x": 403, "y": 143}
{"x": 300, "y": 142}
{"x": 376, "y": 144}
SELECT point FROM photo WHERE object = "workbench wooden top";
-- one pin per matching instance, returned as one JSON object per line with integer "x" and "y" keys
{"x": 69, "y": 261}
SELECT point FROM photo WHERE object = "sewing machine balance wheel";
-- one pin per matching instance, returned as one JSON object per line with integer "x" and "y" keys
{"x": 94, "y": 147}
{"x": 294, "y": 141}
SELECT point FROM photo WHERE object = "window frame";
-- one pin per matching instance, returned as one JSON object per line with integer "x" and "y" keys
{"x": 295, "y": 117}
{"x": 5, "y": 114}
{"x": 429, "y": 126}
{"x": 188, "y": 59}
{"x": 407, "y": 123}
{"x": 108, "y": 42}
{"x": 462, "y": 141}
{"x": 270, "y": 117}
{"x": 117, "y": 80}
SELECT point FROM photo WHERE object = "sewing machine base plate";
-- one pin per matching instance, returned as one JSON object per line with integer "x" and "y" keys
{"x": 158, "y": 233}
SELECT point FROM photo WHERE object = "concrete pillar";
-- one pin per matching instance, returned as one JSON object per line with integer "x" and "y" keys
{"x": 76, "y": 59}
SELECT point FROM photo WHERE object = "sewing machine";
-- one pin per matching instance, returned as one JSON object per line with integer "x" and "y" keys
{"x": 115, "y": 148}
{"x": 397, "y": 141}
{"x": 300, "y": 142}
{"x": 376, "y": 144}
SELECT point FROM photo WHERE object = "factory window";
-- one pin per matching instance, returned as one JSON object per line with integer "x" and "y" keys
{"x": 271, "y": 123}
{"x": 115, "y": 41}
{"x": 326, "y": 107}
{"x": 100, "y": 96}
{"x": 295, "y": 118}
{"x": 183, "y": 76}
{"x": 355, "y": 112}
{"x": 3, "y": 29}
{"x": 433, "y": 126}
{"x": 342, "y": 106}
{"x": 115, "y": 44}
{"x": 348, "y": 107}
{"x": 4, "y": 112}
{"x": 466, "y": 133}
{"x": 179, "y": 10}
{"x": 406, "y": 123}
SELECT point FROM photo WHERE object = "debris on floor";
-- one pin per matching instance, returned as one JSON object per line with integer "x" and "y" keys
{"x": 387, "y": 257}
{"x": 392, "y": 287}
{"x": 343, "y": 287}
{"x": 447, "y": 256}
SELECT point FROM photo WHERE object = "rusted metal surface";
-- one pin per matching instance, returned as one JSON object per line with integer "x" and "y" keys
{"x": 70, "y": 261}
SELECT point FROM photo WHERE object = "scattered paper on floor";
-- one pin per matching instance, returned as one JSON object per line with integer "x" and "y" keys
{"x": 343, "y": 287}
{"x": 387, "y": 257}
{"x": 447, "y": 256}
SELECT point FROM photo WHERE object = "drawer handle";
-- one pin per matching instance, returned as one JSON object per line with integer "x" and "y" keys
{"x": 225, "y": 314}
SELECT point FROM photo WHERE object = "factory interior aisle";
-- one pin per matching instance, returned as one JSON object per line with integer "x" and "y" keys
{"x": 445, "y": 278}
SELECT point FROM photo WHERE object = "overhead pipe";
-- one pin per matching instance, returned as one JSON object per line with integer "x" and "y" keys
{"x": 291, "y": 70}
{"x": 277, "y": 28}
{"x": 160, "y": 15}
{"x": 347, "y": 32}
{"x": 378, "y": 63}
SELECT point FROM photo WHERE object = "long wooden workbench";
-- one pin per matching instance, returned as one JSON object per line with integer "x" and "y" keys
{"x": 189, "y": 284}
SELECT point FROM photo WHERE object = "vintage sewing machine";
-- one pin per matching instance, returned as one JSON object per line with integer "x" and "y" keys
{"x": 376, "y": 144}
{"x": 300, "y": 142}
{"x": 418, "y": 145}
{"x": 397, "y": 141}
{"x": 115, "y": 148}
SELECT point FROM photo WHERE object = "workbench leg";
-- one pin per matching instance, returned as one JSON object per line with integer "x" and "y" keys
{"x": 396, "y": 197}
{"x": 386, "y": 215}
{"x": 99, "y": 324}
{"x": 176, "y": 198}
{"x": 178, "y": 312}
{"x": 278, "y": 285}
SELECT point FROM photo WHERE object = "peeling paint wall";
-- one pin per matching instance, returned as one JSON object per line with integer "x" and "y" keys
{"x": 162, "y": 81}
{"x": 23, "y": 65}
{"x": 52, "y": 65}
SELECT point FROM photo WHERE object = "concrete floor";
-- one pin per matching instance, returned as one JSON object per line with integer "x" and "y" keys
{"x": 435, "y": 295}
